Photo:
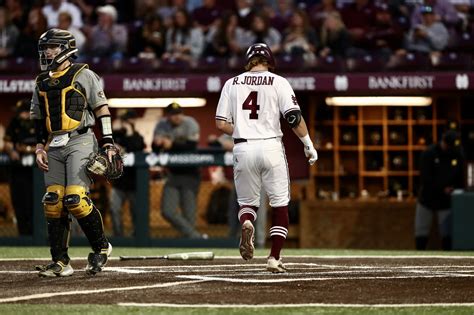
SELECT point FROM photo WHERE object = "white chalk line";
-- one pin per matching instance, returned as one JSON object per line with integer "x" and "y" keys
{"x": 169, "y": 305}
{"x": 235, "y": 280}
{"x": 225, "y": 278}
{"x": 395, "y": 256}
{"x": 79, "y": 292}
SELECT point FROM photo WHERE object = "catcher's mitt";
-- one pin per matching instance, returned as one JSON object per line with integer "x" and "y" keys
{"x": 99, "y": 163}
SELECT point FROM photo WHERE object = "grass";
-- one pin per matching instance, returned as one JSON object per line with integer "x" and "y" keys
{"x": 114, "y": 309}
{"x": 43, "y": 252}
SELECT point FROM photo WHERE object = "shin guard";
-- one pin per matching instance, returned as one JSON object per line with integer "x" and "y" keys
{"x": 59, "y": 230}
{"x": 93, "y": 228}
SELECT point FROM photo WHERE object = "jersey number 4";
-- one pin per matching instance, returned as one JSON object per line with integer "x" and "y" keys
{"x": 250, "y": 104}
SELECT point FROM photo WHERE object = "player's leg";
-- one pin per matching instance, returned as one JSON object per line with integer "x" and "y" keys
{"x": 169, "y": 208}
{"x": 247, "y": 183}
{"x": 117, "y": 199}
{"x": 79, "y": 204}
{"x": 445, "y": 223}
{"x": 276, "y": 182}
{"x": 188, "y": 194}
{"x": 57, "y": 218}
{"x": 423, "y": 218}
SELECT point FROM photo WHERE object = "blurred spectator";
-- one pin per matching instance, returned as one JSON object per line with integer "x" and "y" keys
{"x": 358, "y": 17}
{"x": 443, "y": 12}
{"x": 280, "y": 15}
{"x": 153, "y": 37}
{"x": 18, "y": 11}
{"x": 399, "y": 9}
{"x": 27, "y": 44}
{"x": 206, "y": 15}
{"x": 146, "y": 8}
{"x": 183, "y": 42}
{"x": 463, "y": 7}
{"x": 52, "y": 9}
{"x": 167, "y": 12}
{"x": 227, "y": 39}
{"x": 441, "y": 171}
{"x": 334, "y": 39}
{"x": 386, "y": 36}
{"x": 262, "y": 32}
{"x": 87, "y": 9}
{"x": 107, "y": 39}
{"x": 245, "y": 13}
{"x": 20, "y": 141}
{"x": 8, "y": 34}
{"x": 191, "y": 5}
{"x": 300, "y": 39}
{"x": 65, "y": 23}
{"x": 320, "y": 11}
{"x": 173, "y": 134}
{"x": 429, "y": 36}
{"x": 124, "y": 188}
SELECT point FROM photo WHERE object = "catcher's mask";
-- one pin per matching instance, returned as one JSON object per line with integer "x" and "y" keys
{"x": 56, "y": 38}
{"x": 260, "y": 49}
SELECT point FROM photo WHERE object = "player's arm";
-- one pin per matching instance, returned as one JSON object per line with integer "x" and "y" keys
{"x": 104, "y": 120}
{"x": 40, "y": 131}
{"x": 223, "y": 112}
{"x": 298, "y": 125}
{"x": 224, "y": 126}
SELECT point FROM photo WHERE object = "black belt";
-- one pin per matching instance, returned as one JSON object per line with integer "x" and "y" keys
{"x": 240, "y": 140}
{"x": 79, "y": 131}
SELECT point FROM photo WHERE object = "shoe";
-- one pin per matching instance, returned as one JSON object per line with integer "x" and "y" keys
{"x": 275, "y": 266}
{"x": 55, "y": 269}
{"x": 246, "y": 246}
{"x": 96, "y": 261}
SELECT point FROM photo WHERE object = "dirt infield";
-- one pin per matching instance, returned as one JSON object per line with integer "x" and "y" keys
{"x": 364, "y": 280}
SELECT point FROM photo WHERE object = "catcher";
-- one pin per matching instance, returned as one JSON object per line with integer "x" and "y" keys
{"x": 67, "y": 101}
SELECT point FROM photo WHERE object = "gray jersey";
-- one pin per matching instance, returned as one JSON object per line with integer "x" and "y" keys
{"x": 188, "y": 130}
{"x": 94, "y": 93}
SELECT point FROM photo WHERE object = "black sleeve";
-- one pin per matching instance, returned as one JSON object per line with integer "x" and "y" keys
{"x": 40, "y": 130}
{"x": 426, "y": 171}
{"x": 184, "y": 146}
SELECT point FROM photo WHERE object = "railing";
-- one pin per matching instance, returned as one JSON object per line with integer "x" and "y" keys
{"x": 142, "y": 163}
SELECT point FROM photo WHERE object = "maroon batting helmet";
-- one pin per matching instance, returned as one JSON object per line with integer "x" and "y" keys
{"x": 260, "y": 49}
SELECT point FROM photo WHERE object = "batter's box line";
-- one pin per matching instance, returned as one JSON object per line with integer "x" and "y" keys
{"x": 281, "y": 280}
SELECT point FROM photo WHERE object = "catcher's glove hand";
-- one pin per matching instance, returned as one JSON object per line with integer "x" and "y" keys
{"x": 100, "y": 164}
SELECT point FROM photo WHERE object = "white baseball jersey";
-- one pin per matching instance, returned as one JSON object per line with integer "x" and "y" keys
{"x": 253, "y": 101}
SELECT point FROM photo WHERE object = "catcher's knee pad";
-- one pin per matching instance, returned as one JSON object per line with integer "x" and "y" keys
{"x": 53, "y": 202}
{"x": 77, "y": 201}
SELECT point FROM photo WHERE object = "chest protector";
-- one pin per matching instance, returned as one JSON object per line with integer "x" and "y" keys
{"x": 62, "y": 102}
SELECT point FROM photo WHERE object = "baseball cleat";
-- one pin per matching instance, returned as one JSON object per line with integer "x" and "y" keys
{"x": 55, "y": 269}
{"x": 275, "y": 266}
{"x": 97, "y": 261}
{"x": 246, "y": 240}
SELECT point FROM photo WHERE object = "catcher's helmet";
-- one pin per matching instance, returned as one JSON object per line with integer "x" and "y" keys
{"x": 260, "y": 49}
{"x": 66, "y": 42}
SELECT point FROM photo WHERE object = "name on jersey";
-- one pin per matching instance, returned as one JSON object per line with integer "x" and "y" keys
{"x": 253, "y": 80}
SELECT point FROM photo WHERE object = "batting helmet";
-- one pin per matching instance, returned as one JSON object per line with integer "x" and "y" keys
{"x": 260, "y": 49}
{"x": 56, "y": 37}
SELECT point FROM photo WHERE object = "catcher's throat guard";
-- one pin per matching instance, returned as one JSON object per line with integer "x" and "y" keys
{"x": 99, "y": 163}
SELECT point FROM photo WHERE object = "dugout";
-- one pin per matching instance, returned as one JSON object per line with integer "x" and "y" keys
{"x": 368, "y": 154}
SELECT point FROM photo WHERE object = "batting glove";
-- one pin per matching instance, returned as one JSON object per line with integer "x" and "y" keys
{"x": 311, "y": 154}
